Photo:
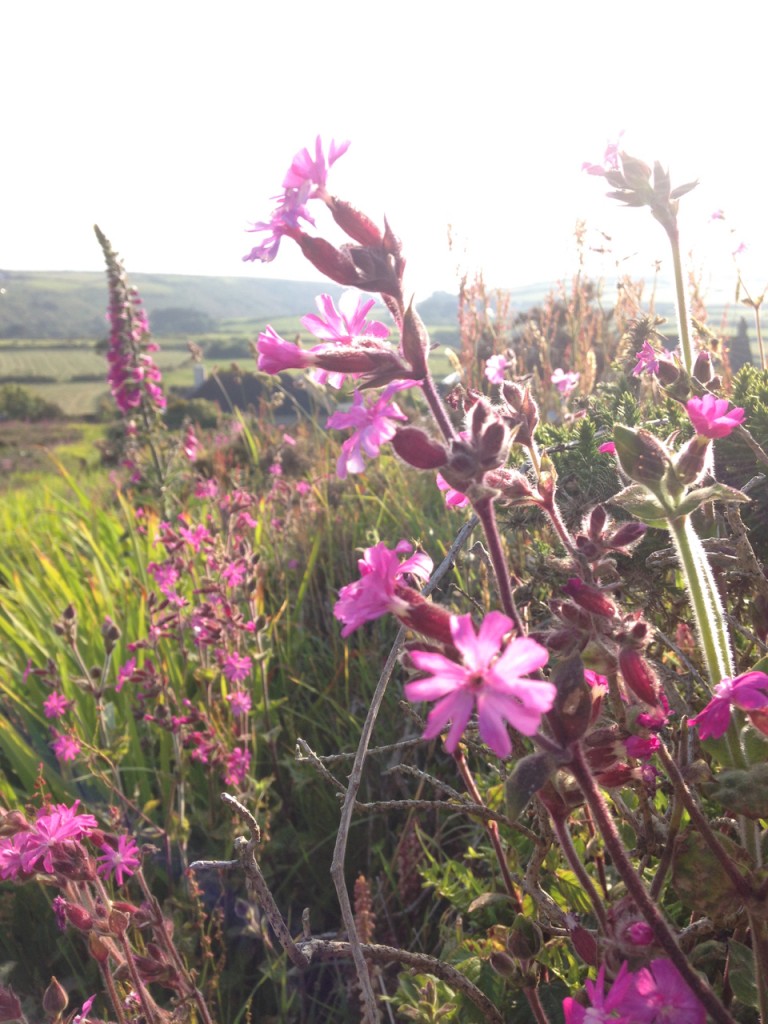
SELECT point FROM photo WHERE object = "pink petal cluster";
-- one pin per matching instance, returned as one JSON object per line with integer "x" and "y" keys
{"x": 495, "y": 367}
{"x": 375, "y": 593}
{"x": 711, "y": 417}
{"x": 491, "y": 677}
{"x": 291, "y": 205}
{"x": 453, "y": 498}
{"x": 235, "y": 667}
{"x": 119, "y": 861}
{"x": 373, "y": 422}
{"x": 55, "y": 830}
{"x": 343, "y": 326}
{"x": 610, "y": 159}
{"x": 647, "y": 360}
{"x": 748, "y": 691}
{"x": 655, "y": 994}
{"x": 564, "y": 382}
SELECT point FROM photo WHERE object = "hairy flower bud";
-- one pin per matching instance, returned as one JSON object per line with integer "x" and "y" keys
{"x": 639, "y": 676}
{"x": 525, "y": 939}
{"x": 415, "y": 342}
{"x": 626, "y": 535}
{"x": 10, "y": 1005}
{"x": 597, "y": 520}
{"x": 55, "y": 998}
{"x": 702, "y": 368}
{"x": 418, "y": 449}
{"x": 591, "y": 598}
{"x": 691, "y": 462}
{"x": 641, "y": 455}
{"x": 354, "y": 223}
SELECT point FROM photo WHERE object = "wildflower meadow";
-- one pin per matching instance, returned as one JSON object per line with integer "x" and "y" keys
{"x": 444, "y": 698}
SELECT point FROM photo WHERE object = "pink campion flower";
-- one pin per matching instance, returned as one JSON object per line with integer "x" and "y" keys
{"x": 564, "y": 382}
{"x": 276, "y": 354}
{"x": 190, "y": 445}
{"x": 748, "y": 691}
{"x": 119, "y": 861}
{"x": 53, "y": 828}
{"x": 610, "y": 159}
{"x": 642, "y": 748}
{"x": 234, "y": 573}
{"x": 238, "y": 763}
{"x": 608, "y": 447}
{"x": 240, "y": 702}
{"x": 305, "y": 169}
{"x": 739, "y": 250}
{"x": 453, "y": 498}
{"x": 490, "y": 677}
{"x": 206, "y": 489}
{"x": 55, "y": 705}
{"x": 291, "y": 205}
{"x": 717, "y": 215}
{"x": 343, "y": 326}
{"x": 647, "y": 360}
{"x": 124, "y": 674}
{"x": 495, "y": 367}
{"x": 82, "y": 1017}
{"x": 195, "y": 536}
{"x": 605, "y": 1008}
{"x": 659, "y": 994}
{"x": 711, "y": 417}
{"x": 236, "y": 668}
{"x": 65, "y": 746}
{"x": 375, "y": 593}
{"x": 373, "y": 422}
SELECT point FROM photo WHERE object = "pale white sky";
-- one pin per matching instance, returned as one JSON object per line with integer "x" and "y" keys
{"x": 172, "y": 123}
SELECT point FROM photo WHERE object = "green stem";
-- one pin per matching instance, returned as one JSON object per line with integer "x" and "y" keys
{"x": 708, "y": 609}
{"x": 683, "y": 313}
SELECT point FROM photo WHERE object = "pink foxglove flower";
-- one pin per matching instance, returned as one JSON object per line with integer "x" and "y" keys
{"x": 712, "y": 417}
{"x": 490, "y": 677}
{"x": 659, "y": 994}
{"x": 647, "y": 360}
{"x": 374, "y": 423}
{"x": 495, "y": 367}
{"x": 343, "y": 326}
{"x": 119, "y": 861}
{"x": 564, "y": 382}
{"x": 748, "y": 692}
{"x": 375, "y": 593}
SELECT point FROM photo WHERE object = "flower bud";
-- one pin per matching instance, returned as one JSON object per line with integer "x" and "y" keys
{"x": 79, "y": 917}
{"x": 10, "y": 1005}
{"x": 585, "y": 944}
{"x": 597, "y": 520}
{"x": 626, "y": 535}
{"x": 591, "y": 598}
{"x": 702, "y": 368}
{"x": 55, "y": 998}
{"x": 641, "y": 455}
{"x": 354, "y": 223}
{"x": 525, "y": 938}
{"x": 415, "y": 342}
{"x": 639, "y": 676}
{"x": 692, "y": 460}
{"x": 418, "y": 449}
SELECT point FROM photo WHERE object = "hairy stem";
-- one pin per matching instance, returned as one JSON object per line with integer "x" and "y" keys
{"x": 636, "y": 888}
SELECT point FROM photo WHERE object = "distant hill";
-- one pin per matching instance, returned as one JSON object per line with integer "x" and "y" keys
{"x": 67, "y": 305}
{"x": 71, "y": 304}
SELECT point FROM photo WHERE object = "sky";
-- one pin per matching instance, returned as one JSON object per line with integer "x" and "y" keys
{"x": 172, "y": 124}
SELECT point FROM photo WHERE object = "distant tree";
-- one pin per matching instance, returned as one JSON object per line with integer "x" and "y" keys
{"x": 181, "y": 320}
{"x": 16, "y": 403}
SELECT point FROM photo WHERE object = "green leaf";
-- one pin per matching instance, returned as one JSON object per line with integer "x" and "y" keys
{"x": 640, "y": 503}
{"x": 701, "y": 495}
